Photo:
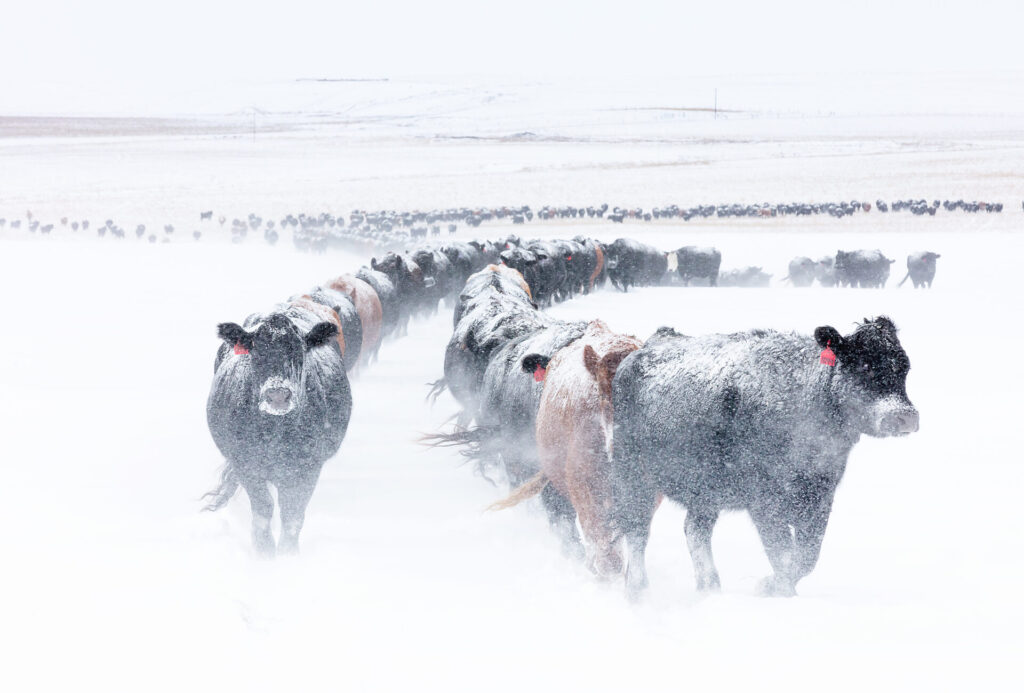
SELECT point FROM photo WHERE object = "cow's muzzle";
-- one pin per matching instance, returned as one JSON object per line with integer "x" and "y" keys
{"x": 900, "y": 422}
{"x": 278, "y": 396}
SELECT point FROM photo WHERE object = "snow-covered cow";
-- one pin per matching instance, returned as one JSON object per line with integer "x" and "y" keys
{"x": 278, "y": 409}
{"x": 760, "y": 421}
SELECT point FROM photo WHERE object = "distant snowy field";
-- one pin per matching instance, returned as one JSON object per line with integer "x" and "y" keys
{"x": 404, "y": 583}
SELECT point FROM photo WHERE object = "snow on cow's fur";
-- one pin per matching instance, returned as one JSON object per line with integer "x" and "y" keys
{"x": 278, "y": 408}
{"x": 751, "y": 421}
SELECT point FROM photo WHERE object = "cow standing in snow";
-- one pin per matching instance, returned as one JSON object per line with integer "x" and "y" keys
{"x": 278, "y": 409}
{"x": 759, "y": 421}
{"x": 921, "y": 269}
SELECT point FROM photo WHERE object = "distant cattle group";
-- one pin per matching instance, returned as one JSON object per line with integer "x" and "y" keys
{"x": 389, "y": 229}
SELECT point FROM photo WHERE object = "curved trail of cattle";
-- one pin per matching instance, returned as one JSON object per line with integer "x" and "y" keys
{"x": 602, "y": 426}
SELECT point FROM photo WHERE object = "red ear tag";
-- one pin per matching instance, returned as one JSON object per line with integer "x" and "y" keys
{"x": 569, "y": 258}
{"x": 828, "y": 357}
{"x": 240, "y": 350}
{"x": 538, "y": 373}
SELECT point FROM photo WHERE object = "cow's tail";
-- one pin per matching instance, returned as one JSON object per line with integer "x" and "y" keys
{"x": 903, "y": 280}
{"x": 459, "y": 437}
{"x": 437, "y": 389}
{"x": 528, "y": 490}
{"x": 481, "y": 445}
{"x": 220, "y": 496}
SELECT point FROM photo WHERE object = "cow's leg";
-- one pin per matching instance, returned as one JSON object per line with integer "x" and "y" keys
{"x": 293, "y": 497}
{"x": 700, "y": 522}
{"x": 809, "y": 527}
{"x": 589, "y": 490}
{"x": 635, "y": 502}
{"x": 777, "y": 539}
{"x": 262, "y": 504}
{"x": 562, "y": 517}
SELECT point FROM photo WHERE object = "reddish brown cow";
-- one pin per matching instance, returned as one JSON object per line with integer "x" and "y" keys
{"x": 322, "y": 313}
{"x": 368, "y": 307}
{"x": 574, "y": 428}
{"x": 512, "y": 274}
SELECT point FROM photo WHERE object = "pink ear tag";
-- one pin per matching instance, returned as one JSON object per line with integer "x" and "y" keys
{"x": 539, "y": 373}
{"x": 240, "y": 350}
{"x": 828, "y": 357}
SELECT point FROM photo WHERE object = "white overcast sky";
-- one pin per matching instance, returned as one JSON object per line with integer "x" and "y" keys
{"x": 131, "y": 42}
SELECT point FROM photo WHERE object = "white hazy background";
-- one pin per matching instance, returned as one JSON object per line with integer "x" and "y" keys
{"x": 112, "y": 579}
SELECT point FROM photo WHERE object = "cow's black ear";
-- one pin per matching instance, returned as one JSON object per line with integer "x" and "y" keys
{"x": 373, "y": 263}
{"x": 233, "y": 333}
{"x": 826, "y": 335}
{"x": 937, "y": 256}
{"x": 321, "y": 334}
{"x": 532, "y": 361}
{"x": 885, "y": 324}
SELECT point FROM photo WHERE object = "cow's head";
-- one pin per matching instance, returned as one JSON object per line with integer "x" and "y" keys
{"x": 276, "y": 350}
{"x": 872, "y": 388}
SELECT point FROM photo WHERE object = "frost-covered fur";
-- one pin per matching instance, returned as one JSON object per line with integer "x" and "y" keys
{"x": 288, "y": 348}
{"x": 493, "y": 309}
{"x": 862, "y": 268}
{"x": 509, "y": 401}
{"x": 692, "y": 262}
{"x": 631, "y": 263}
{"x": 750, "y": 421}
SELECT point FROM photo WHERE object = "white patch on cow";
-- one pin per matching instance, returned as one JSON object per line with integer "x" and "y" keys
{"x": 276, "y": 382}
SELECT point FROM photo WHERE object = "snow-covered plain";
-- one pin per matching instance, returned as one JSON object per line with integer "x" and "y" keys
{"x": 113, "y": 576}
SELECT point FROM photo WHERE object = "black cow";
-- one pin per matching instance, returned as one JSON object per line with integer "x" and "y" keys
{"x": 802, "y": 271}
{"x": 696, "y": 263}
{"x": 864, "y": 268}
{"x": 825, "y": 271}
{"x": 492, "y": 311}
{"x": 438, "y": 281}
{"x": 921, "y": 269}
{"x": 631, "y": 263}
{"x": 509, "y": 403}
{"x": 407, "y": 278}
{"x": 752, "y": 421}
{"x": 278, "y": 409}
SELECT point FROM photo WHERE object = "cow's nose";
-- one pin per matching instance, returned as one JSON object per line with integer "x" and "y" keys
{"x": 902, "y": 422}
{"x": 278, "y": 397}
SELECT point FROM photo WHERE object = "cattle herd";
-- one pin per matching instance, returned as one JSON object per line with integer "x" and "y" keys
{"x": 391, "y": 229}
{"x": 602, "y": 426}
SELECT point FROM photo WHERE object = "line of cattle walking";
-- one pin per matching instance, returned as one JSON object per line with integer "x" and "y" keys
{"x": 601, "y": 425}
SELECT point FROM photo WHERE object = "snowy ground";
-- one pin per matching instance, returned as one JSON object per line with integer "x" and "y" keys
{"x": 404, "y": 583}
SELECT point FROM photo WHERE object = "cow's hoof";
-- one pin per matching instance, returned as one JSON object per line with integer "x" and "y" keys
{"x": 775, "y": 586}
{"x": 709, "y": 583}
